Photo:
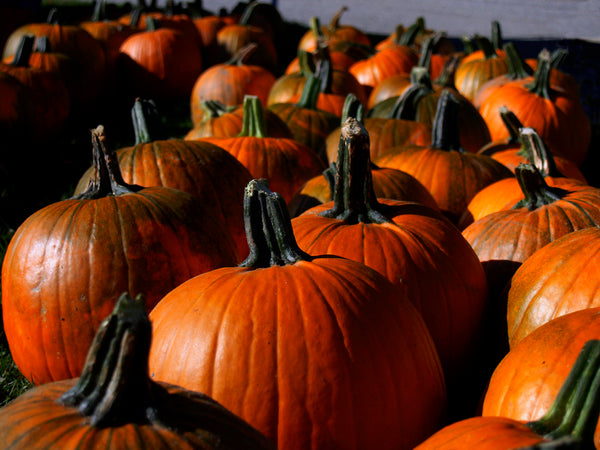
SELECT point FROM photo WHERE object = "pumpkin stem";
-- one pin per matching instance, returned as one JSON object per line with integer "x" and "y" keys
{"x": 268, "y": 229}
{"x": 576, "y": 408}
{"x": 323, "y": 69}
{"x": 486, "y": 46}
{"x": 446, "y": 76}
{"x": 558, "y": 57}
{"x": 513, "y": 125}
{"x": 427, "y": 51}
{"x": 214, "y": 108}
{"x": 147, "y": 126}
{"x": 24, "y": 50}
{"x": 310, "y": 93}
{"x": 410, "y": 34}
{"x": 335, "y": 20}
{"x": 497, "y": 40}
{"x": 541, "y": 77}
{"x": 315, "y": 27}
{"x": 152, "y": 24}
{"x": 398, "y": 32}
{"x": 306, "y": 63}
{"x": 253, "y": 121}
{"x": 445, "y": 133}
{"x": 517, "y": 67}
{"x": 114, "y": 387}
{"x": 538, "y": 153}
{"x": 242, "y": 55}
{"x": 106, "y": 179}
{"x": 468, "y": 46}
{"x": 248, "y": 12}
{"x": 406, "y": 105}
{"x": 354, "y": 199}
{"x": 53, "y": 16}
{"x": 536, "y": 190}
{"x": 136, "y": 15}
{"x": 352, "y": 108}
{"x": 42, "y": 44}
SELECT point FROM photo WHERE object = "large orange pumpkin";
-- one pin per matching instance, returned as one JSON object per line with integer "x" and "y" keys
{"x": 66, "y": 264}
{"x": 114, "y": 404}
{"x": 407, "y": 242}
{"x": 314, "y": 351}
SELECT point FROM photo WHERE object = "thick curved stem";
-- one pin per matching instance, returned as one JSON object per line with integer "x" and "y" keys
{"x": 147, "y": 126}
{"x": 538, "y": 153}
{"x": 536, "y": 191}
{"x": 541, "y": 78}
{"x": 445, "y": 134}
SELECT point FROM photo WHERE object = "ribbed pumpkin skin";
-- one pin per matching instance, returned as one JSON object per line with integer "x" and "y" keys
{"x": 67, "y": 264}
{"x": 471, "y": 76}
{"x": 515, "y": 234}
{"x": 418, "y": 247}
{"x": 310, "y": 353}
{"x": 37, "y": 420}
{"x": 287, "y": 164}
{"x": 384, "y": 134}
{"x": 229, "y": 84}
{"x": 558, "y": 279}
{"x": 561, "y": 122}
{"x": 453, "y": 178}
{"x": 199, "y": 168}
{"x": 525, "y": 383}
{"x": 482, "y": 433}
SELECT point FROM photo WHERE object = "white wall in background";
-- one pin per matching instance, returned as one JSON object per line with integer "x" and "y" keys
{"x": 551, "y": 19}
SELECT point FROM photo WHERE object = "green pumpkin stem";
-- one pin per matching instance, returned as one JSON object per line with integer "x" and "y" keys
{"x": 536, "y": 191}
{"x": 538, "y": 153}
{"x": 398, "y": 32}
{"x": 114, "y": 387}
{"x": 446, "y": 76}
{"x": 406, "y": 105}
{"x": 306, "y": 63}
{"x": 152, "y": 24}
{"x": 268, "y": 229}
{"x": 541, "y": 77}
{"x": 445, "y": 133}
{"x": 24, "y": 50}
{"x": 558, "y": 57}
{"x": 410, "y": 34}
{"x": 315, "y": 27}
{"x": 574, "y": 413}
{"x": 248, "y": 12}
{"x": 517, "y": 67}
{"x": 106, "y": 179}
{"x": 241, "y": 56}
{"x": 147, "y": 126}
{"x": 214, "y": 108}
{"x": 486, "y": 46}
{"x": 497, "y": 40}
{"x": 253, "y": 122}
{"x": 513, "y": 125}
{"x": 136, "y": 15}
{"x": 310, "y": 93}
{"x": 468, "y": 45}
{"x": 323, "y": 69}
{"x": 42, "y": 45}
{"x": 53, "y": 16}
{"x": 427, "y": 50}
{"x": 352, "y": 108}
{"x": 354, "y": 199}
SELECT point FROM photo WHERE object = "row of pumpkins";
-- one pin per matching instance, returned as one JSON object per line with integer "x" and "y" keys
{"x": 335, "y": 257}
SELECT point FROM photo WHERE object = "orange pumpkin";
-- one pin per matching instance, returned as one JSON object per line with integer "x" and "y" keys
{"x": 406, "y": 242}
{"x": 302, "y": 347}
{"x": 114, "y": 237}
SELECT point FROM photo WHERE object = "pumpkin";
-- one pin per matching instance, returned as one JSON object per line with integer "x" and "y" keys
{"x": 505, "y": 193}
{"x": 76, "y": 42}
{"x": 233, "y": 37}
{"x": 556, "y": 280}
{"x": 159, "y": 63}
{"x": 471, "y": 75}
{"x": 452, "y": 176}
{"x": 219, "y": 120}
{"x": 230, "y": 82}
{"x": 556, "y": 114}
{"x": 406, "y": 242}
{"x": 199, "y": 168}
{"x": 15, "y": 111}
{"x": 49, "y": 96}
{"x": 208, "y": 27}
{"x": 112, "y": 238}
{"x": 419, "y": 102}
{"x": 114, "y": 404}
{"x": 569, "y": 423}
{"x": 503, "y": 240}
{"x": 286, "y": 163}
{"x": 302, "y": 347}
{"x": 333, "y": 33}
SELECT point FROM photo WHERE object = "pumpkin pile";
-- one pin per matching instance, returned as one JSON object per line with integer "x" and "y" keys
{"x": 319, "y": 240}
